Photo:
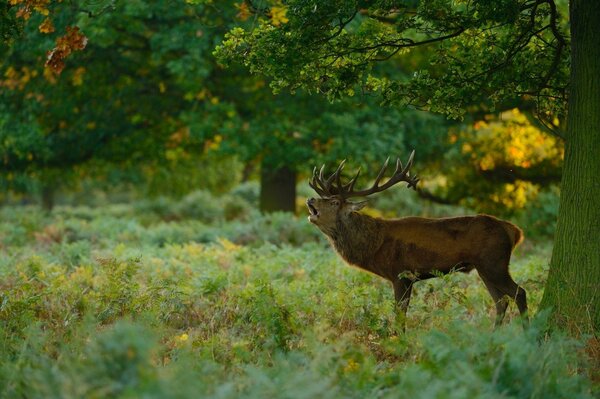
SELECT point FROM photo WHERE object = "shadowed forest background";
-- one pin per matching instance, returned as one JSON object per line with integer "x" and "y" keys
{"x": 154, "y": 166}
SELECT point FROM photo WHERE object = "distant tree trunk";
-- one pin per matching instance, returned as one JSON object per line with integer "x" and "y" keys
{"x": 573, "y": 286}
{"x": 48, "y": 191}
{"x": 277, "y": 189}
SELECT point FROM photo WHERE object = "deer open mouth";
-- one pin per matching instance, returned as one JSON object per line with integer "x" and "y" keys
{"x": 314, "y": 213}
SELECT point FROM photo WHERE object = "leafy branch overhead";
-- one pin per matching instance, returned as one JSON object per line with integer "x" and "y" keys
{"x": 73, "y": 40}
{"x": 19, "y": 12}
{"x": 463, "y": 53}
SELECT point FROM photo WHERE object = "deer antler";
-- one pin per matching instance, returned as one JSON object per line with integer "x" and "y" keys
{"x": 333, "y": 186}
{"x": 325, "y": 187}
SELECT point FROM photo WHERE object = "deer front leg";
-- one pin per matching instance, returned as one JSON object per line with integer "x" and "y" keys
{"x": 402, "y": 290}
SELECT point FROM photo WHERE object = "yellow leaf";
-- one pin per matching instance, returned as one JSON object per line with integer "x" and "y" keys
{"x": 183, "y": 337}
{"x": 278, "y": 15}
{"x": 46, "y": 26}
{"x": 42, "y": 10}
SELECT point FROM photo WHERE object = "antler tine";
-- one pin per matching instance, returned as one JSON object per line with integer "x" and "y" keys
{"x": 333, "y": 185}
{"x": 338, "y": 179}
{"x": 336, "y": 175}
{"x": 325, "y": 187}
{"x": 400, "y": 174}
{"x": 321, "y": 172}
{"x": 398, "y": 165}
{"x": 324, "y": 183}
{"x": 413, "y": 182}
{"x": 409, "y": 162}
{"x": 381, "y": 172}
{"x": 350, "y": 185}
{"x": 316, "y": 183}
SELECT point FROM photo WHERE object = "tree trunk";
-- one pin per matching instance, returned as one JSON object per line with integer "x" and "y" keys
{"x": 48, "y": 197}
{"x": 573, "y": 286}
{"x": 277, "y": 189}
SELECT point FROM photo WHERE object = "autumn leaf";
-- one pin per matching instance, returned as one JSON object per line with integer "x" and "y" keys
{"x": 46, "y": 26}
{"x": 73, "y": 40}
{"x": 278, "y": 15}
{"x": 17, "y": 80}
{"x": 26, "y": 7}
{"x": 243, "y": 11}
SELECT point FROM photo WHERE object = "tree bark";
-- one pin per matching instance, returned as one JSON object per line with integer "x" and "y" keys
{"x": 277, "y": 189}
{"x": 573, "y": 285}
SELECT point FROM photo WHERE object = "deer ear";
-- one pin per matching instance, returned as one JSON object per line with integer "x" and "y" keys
{"x": 357, "y": 206}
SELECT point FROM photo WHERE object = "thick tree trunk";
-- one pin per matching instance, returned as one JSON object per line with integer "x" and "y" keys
{"x": 277, "y": 189}
{"x": 573, "y": 286}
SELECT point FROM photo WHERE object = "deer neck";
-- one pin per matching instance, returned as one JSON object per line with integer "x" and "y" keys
{"x": 357, "y": 238}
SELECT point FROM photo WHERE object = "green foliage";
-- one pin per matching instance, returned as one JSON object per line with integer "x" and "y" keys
{"x": 540, "y": 214}
{"x": 178, "y": 177}
{"x": 10, "y": 26}
{"x": 470, "y": 53}
{"x": 146, "y": 103}
{"x": 118, "y": 102}
{"x": 199, "y": 205}
{"x": 206, "y": 208}
{"x": 249, "y": 191}
{"x": 514, "y": 158}
{"x": 125, "y": 317}
{"x": 400, "y": 203}
{"x": 503, "y": 364}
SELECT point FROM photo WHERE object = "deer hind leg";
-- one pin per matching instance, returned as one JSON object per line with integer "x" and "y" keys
{"x": 402, "y": 291}
{"x": 500, "y": 301}
{"x": 501, "y": 287}
{"x": 519, "y": 295}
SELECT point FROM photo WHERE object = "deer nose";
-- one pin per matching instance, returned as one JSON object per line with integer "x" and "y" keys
{"x": 310, "y": 200}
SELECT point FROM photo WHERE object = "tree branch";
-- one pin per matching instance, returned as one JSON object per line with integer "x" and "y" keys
{"x": 407, "y": 42}
{"x": 559, "y": 48}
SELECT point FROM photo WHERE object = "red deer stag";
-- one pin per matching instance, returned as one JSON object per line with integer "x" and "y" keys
{"x": 414, "y": 246}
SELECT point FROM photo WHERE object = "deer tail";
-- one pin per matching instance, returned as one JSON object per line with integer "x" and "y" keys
{"x": 516, "y": 234}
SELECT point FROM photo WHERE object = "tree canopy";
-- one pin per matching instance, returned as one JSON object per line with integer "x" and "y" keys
{"x": 463, "y": 54}
{"x": 146, "y": 90}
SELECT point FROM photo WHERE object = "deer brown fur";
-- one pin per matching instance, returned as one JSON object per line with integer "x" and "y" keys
{"x": 413, "y": 248}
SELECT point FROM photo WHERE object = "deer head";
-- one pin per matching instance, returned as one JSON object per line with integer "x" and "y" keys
{"x": 334, "y": 203}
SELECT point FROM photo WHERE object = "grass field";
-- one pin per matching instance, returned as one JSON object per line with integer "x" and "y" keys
{"x": 121, "y": 301}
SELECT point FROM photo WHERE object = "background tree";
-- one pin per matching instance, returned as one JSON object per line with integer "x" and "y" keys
{"x": 286, "y": 134}
{"x": 118, "y": 102}
{"x": 481, "y": 54}
{"x": 147, "y": 96}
